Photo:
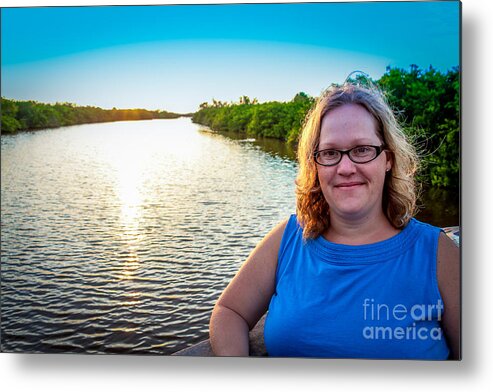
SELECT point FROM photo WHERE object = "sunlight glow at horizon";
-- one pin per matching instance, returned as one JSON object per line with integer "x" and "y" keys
{"x": 175, "y": 57}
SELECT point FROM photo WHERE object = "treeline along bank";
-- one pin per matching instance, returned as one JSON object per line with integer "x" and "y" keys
{"x": 30, "y": 115}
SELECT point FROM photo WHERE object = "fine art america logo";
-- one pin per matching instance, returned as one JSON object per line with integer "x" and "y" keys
{"x": 388, "y": 318}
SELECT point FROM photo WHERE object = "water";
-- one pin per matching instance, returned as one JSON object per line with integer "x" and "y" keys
{"x": 119, "y": 237}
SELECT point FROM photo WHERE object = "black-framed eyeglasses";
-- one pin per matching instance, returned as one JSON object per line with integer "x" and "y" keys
{"x": 358, "y": 154}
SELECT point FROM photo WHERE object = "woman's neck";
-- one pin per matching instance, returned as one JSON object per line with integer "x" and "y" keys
{"x": 359, "y": 231}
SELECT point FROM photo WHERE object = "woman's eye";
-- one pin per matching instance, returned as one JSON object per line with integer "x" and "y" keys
{"x": 329, "y": 153}
{"x": 362, "y": 150}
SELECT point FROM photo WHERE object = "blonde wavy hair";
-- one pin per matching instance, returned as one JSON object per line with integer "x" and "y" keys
{"x": 400, "y": 189}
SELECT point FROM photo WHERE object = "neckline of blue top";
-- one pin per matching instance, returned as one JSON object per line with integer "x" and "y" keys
{"x": 377, "y": 252}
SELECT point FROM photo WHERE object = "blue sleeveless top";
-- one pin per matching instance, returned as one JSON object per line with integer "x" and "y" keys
{"x": 357, "y": 301}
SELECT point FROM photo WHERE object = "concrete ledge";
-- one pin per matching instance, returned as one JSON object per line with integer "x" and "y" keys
{"x": 204, "y": 349}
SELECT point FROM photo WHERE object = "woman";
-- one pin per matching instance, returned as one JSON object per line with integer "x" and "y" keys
{"x": 352, "y": 274}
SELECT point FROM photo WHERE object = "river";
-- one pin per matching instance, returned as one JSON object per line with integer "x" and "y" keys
{"x": 119, "y": 237}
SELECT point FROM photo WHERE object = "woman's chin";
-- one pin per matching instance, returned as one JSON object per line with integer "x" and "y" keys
{"x": 350, "y": 212}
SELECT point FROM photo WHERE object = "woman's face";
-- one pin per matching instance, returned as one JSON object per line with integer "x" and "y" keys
{"x": 352, "y": 190}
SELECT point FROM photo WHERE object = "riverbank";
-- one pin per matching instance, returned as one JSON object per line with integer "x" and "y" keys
{"x": 31, "y": 115}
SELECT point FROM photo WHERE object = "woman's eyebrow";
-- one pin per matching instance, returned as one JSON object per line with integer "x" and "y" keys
{"x": 356, "y": 142}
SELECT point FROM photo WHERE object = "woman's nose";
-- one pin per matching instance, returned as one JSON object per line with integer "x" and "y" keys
{"x": 346, "y": 166}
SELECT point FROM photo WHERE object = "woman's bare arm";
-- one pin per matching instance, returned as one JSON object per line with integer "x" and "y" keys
{"x": 246, "y": 298}
{"x": 448, "y": 273}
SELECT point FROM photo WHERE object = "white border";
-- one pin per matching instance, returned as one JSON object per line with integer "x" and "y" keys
{"x": 130, "y": 373}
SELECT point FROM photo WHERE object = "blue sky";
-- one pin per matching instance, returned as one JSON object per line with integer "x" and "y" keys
{"x": 175, "y": 57}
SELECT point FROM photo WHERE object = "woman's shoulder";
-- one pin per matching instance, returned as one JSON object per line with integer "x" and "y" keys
{"x": 292, "y": 220}
{"x": 274, "y": 237}
{"x": 445, "y": 234}
{"x": 420, "y": 225}
{"x": 292, "y": 226}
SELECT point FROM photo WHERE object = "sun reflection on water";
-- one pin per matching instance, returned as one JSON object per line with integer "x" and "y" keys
{"x": 134, "y": 163}
{"x": 129, "y": 159}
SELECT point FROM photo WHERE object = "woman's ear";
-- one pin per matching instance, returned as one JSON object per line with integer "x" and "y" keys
{"x": 390, "y": 160}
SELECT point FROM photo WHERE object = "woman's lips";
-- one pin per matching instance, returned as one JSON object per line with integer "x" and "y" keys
{"x": 348, "y": 185}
